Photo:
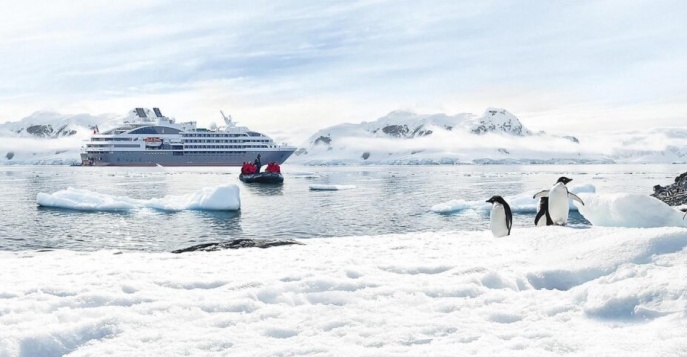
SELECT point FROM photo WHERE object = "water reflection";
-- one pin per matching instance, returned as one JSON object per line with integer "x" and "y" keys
{"x": 227, "y": 222}
{"x": 80, "y": 213}
{"x": 385, "y": 200}
{"x": 265, "y": 189}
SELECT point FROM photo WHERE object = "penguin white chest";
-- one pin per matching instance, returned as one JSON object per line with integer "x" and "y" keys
{"x": 499, "y": 225}
{"x": 558, "y": 204}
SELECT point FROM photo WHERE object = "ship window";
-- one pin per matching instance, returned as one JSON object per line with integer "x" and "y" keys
{"x": 147, "y": 130}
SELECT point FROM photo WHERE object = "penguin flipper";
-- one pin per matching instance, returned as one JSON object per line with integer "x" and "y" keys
{"x": 544, "y": 193}
{"x": 574, "y": 197}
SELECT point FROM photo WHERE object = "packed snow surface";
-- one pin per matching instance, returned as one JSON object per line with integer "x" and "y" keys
{"x": 224, "y": 197}
{"x": 546, "y": 291}
{"x": 542, "y": 291}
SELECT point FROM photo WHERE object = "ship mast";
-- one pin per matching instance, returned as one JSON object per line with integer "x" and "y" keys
{"x": 228, "y": 120}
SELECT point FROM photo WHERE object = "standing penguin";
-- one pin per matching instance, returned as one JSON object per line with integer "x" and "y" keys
{"x": 543, "y": 211}
{"x": 558, "y": 200}
{"x": 500, "y": 216}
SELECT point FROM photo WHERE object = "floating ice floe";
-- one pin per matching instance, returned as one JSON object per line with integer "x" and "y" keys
{"x": 523, "y": 203}
{"x": 331, "y": 187}
{"x": 629, "y": 210}
{"x": 220, "y": 198}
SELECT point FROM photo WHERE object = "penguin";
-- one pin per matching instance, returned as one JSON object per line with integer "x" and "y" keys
{"x": 501, "y": 217}
{"x": 558, "y": 200}
{"x": 543, "y": 211}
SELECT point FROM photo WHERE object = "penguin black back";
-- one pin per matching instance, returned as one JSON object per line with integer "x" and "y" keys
{"x": 543, "y": 211}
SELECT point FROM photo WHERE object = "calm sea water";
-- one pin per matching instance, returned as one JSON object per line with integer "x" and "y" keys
{"x": 387, "y": 199}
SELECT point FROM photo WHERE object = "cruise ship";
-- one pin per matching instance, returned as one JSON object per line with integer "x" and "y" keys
{"x": 148, "y": 138}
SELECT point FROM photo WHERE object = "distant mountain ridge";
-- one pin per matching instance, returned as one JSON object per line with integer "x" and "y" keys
{"x": 495, "y": 137}
{"x": 53, "y": 125}
{"x": 405, "y": 124}
{"x": 400, "y": 138}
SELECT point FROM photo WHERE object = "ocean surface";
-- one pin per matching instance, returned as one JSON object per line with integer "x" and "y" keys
{"x": 384, "y": 199}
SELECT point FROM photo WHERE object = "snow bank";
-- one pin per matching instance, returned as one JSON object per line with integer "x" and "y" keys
{"x": 629, "y": 210}
{"x": 224, "y": 197}
{"x": 542, "y": 291}
{"x": 522, "y": 203}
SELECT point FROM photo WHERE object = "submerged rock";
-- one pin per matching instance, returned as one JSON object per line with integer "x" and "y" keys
{"x": 674, "y": 194}
{"x": 236, "y": 244}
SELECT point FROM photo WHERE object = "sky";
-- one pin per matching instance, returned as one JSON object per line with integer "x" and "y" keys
{"x": 616, "y": 288}
{"x": 289, "y": 68}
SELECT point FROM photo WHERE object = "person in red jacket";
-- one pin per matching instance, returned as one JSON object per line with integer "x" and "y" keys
{"x": 273, "y": 167}
{"x": 248, "y": 168}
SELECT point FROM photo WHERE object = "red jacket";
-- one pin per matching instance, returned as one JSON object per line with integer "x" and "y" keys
{"x": 273, "y": 167}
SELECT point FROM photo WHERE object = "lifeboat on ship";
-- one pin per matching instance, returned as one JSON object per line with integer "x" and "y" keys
{"x": 153, "y": 142}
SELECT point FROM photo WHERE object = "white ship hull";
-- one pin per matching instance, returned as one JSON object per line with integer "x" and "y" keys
{"x": 148, "y": 139}
{"x": 180, "y": 158}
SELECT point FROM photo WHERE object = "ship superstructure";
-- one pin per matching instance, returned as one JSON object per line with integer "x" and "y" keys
{"x": 148, "y": 138}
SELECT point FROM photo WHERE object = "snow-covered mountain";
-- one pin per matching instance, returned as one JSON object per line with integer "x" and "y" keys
{"x": 495, "y": 137}
{"x": 47, "y": 137}
{"x": 497, "y": 120}
{"x": 52, "y": 125}
{"x": 400, "y": 137}
{"x": 408, "y": 125}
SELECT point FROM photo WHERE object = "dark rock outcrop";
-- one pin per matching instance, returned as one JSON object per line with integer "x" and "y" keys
{"x": 396, "y": 130}
{"x": 674, "y": 194}
{"x": 571, "y": 138}
{"x": 326, "y": 140}
{"x": 236, "y": 244}
{"x": 47, "y": 131}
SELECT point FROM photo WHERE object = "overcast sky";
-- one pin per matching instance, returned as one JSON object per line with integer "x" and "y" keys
{"x": 292, "y": 67}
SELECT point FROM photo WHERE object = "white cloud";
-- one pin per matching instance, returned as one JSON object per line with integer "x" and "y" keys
{"x": 603, "y": 64}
